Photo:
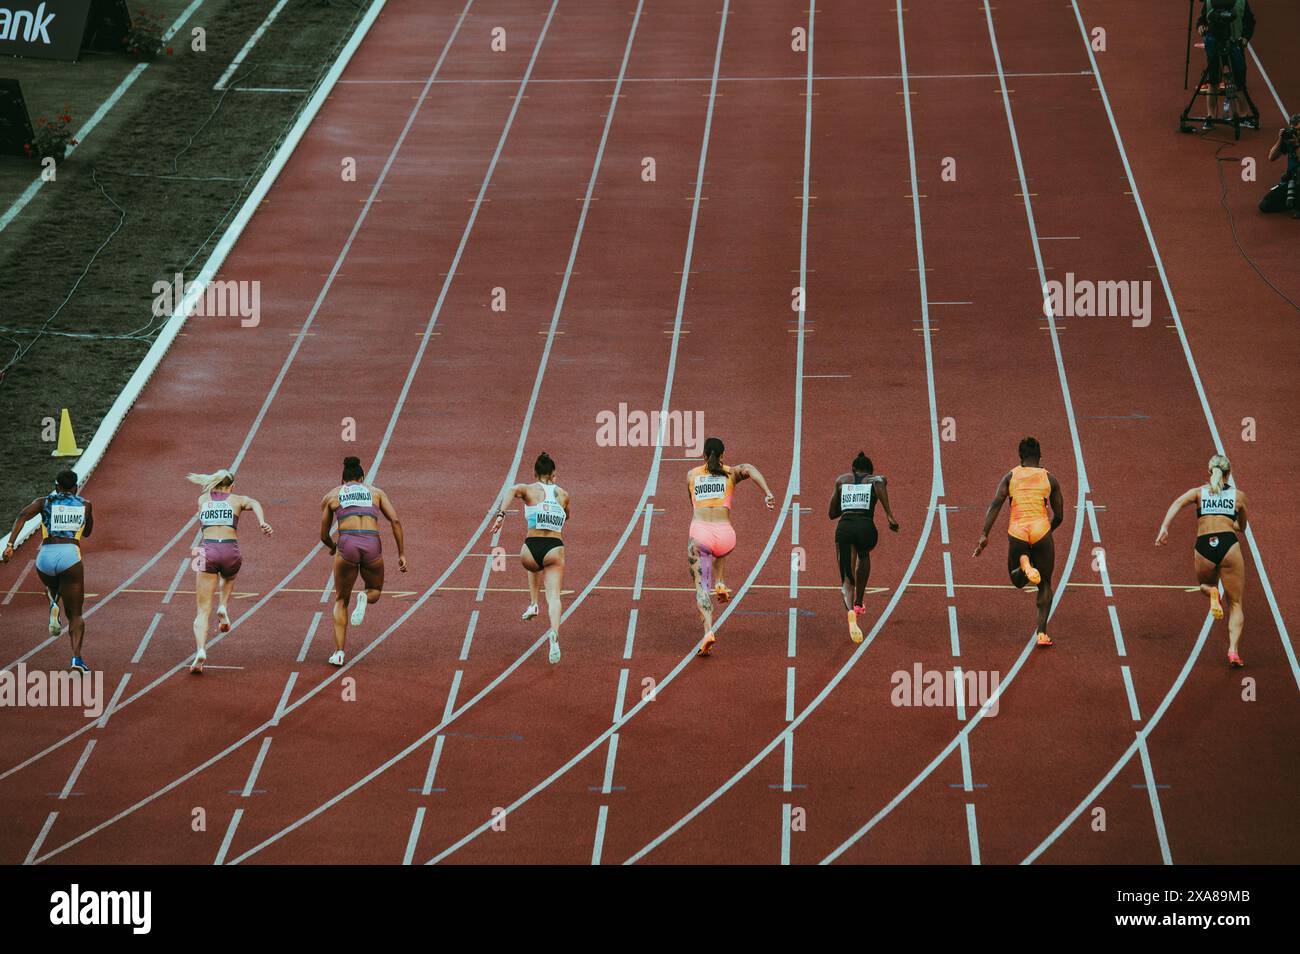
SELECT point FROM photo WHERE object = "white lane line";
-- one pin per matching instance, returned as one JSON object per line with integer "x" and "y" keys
{"x": 1153, "y": 794}
{"x": 176, "y": 580}
{"x": 953, "y": 639}
{"x": 786, "y": 812}
{"x": 432, "y": 771}
{"x": 972, "y": 833}
{"x": 967, "y": 776}
{"x": 1285, "y": 636}
{"x": 256, "y": 769}
{"x": 607, "y": 785}
{"x": 640, "y": 576}
{"x": 620, "y": 695}
{"x": 936, "y": 481}
{"x": 947, "y": 574}
{"x": 943, "y": 524}
{"x": 1114, "y": 628}
{"x": 798, "y": 78}
{"x": 96, "y": 118}
{"x": 960, "y": 694}
{"x": 76, "y": 771}
{"x": 789, "y": 693}
{"x": 40, "y": 839}
{"x": 414, "y": 837}
{"x": 306, "y": 640}
{"x": 229, "y": 837}
{"x": 631, "y": 634}
{"x": 450, "y": 705}
{"x": 1132, "y": 697}
{"x": 1269, "y": 82}
{"x": 17, "y": 583}
{"x": 599, "y": 845}
{"x": 148, "y": 635}
{"x": 791, "y": 641}
{"x": 113, "y": 703}
{"x": 247, "y": 47}
{"x": 284, "y": 699}
{"x": 645, "y": 529}
{"x": 1124, "y": 759}
{"x": 469, "y": 635}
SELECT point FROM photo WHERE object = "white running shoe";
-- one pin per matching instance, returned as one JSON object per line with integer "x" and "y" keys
{"x": 337, "y": 658}
{"x": 55, "y": 626}
{"x": 359, "y": 613}
{"x": 530, "y": 612}
{"x": 223, "y": 620}
{"x": 554, "y": 655}
{"x": 200, "y": 659}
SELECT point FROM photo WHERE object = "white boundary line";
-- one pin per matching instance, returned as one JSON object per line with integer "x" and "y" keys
{"x": 1269, "y": 82}
{"x": 1287, "y": 647}
{"x": 108, "y": 427}
{"x": 247, "y": 47}
{"x": 80, "y": 135}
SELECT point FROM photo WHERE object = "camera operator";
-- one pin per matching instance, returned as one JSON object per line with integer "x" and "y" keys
{"x": 1227, "y": 26}
{"x": 1283, "y": 195}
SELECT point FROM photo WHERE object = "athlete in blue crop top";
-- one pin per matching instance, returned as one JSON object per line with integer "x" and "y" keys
{"x": 66, "y": 518}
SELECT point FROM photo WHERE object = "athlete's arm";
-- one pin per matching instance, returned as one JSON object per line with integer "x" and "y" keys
{"x": 835, "y": 511}
{"x": 89, "y": 525}
{"x": 1163, "y": 536}
{"x": 511, "y": 493}
{"x": 884, "y": 502}
{"x": 1241, "y": 511}
{"x": 995, "y": 508}
{"x": 568, "y": 514}
{"x": 1058, "y": 505}
{"x": 386, "y": 508}
{"x": 31, "y": 510}
{"x": 256, "y": 507}
{"x": 750, "y": 471}
{"x": 327, "y": 521}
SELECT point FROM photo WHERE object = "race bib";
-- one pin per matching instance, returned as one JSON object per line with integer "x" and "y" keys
{"x": 710, "y": 487}
{"x": 549, "y": 516}
{"x": 1222, "y": 505}
{"x": 217, "y": 513}
{"x": 66, "y": 518}
{"x": 855, "y": 496}
{"x": 356, "y": 497}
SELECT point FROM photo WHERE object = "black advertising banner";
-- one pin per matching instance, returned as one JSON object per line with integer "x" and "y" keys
{"x": 49, "y": 29}
{"x": 15, "y": 124}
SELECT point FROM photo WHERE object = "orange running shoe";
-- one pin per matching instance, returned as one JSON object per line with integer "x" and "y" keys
{"x": 706, "y": 647}
{"x": 1234, "y": 660}
{"x": 722, "y": 593}
{"x": 1031, "y": 574}
{"x": 1216, "y": 608}
{"x": 1044, "y": 640}
{"x": 855, "y": 631}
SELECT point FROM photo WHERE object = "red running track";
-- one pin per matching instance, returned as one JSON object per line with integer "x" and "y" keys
{"x": 609, "y": 333}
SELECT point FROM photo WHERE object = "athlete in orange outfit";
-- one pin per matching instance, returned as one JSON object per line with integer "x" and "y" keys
{"x": 1031, "y": 556}
{"x": 712, "y": 539}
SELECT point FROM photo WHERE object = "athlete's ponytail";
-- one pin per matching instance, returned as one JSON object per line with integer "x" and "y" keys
{"x": 862, "y": 464}
{"x": 210, "y": 482}
{"x": 544, "y": 466}
{"x": 1220, "y": 468}
{"x": 713, "y": 452}
{"x": 352, "y": 469}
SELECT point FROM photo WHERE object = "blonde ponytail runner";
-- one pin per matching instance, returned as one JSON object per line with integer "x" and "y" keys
{"x": 1220, "y": 468}
{"x": 210, "y": 482}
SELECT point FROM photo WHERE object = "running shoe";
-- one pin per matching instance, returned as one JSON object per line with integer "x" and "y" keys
{"x": 1044, "y": 640}
{"x": 1216, "y": 607}
{"x": 337, "y": 658}
{"x": 200, "y": 659}
{"x": 554, "y": 655}
{"x": 1032, "y": 575}
{"x": 1234, "y": 660}
{"x": 530, "y": 612}
{"x": 1249, "y": 122}
{"x": 223, "y": 620}
{"x": 359, "y": 613}
{"x": 55, "y": 626}
{"x": 706, "y": 647}
{"x": 79, "y": 665}
{"x": 855, "y": 631}
{"x": 722, "y": 593}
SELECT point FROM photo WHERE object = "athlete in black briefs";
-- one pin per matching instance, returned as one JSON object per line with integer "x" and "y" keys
{"x": 853, "y": 504}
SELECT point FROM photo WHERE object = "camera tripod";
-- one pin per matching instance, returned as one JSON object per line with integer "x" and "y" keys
{"x": 1216, "y": 80}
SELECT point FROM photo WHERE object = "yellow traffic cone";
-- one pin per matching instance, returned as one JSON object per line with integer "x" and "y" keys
{"x": 67, "y": 442}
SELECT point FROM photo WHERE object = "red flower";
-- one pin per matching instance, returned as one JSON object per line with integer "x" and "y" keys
{"x": 169, "y": 51}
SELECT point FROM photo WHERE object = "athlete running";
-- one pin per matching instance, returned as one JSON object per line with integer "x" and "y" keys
{"x": 66, "y": 517}
{"x": 356, "y": 507}
{"x": 1031, "y": 555}
{"x": 1217, "y": 557}
{"x": 546, "y": 510}
{"x": 219, "y": 556}
{"x": 712, "y": 538}
{"x": 853, "y": 504}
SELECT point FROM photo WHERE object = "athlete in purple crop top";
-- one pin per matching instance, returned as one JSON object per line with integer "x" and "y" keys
{"x": 356, "y": 507}
{"x": 217, "y": 556}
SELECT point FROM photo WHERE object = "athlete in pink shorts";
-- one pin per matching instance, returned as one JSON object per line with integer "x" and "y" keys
{"x": 356, "y": 507}
{"x": 712, "y": 539}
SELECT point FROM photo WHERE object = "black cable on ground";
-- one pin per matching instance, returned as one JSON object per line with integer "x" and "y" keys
{"x": 1232, "y": 221}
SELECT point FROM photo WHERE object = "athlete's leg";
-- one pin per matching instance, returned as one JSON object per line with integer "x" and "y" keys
{"x": 863, "y": 574}
{"x": 703, "y": 594}
{"x": 1017, "y": 555}
{"x": 1044, "y": 559}
{"x": 847, "y": 557}
{"x": 51, "y": 584}
{"x": 345, "y": 574}
{"x": 227, "y": 587}
{"x": 1207, "y": 575}
{"x": 205, "y": 584}
{"x": 71, "y": 587}
{"x": 719, "y": 572}
{"x": 372, "y": 575}
{"x": 553, "y": 579}
{"x": 1232, "y": 571}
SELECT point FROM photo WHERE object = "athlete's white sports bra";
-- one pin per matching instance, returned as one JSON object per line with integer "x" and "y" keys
{"x": 548, "y": 514}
